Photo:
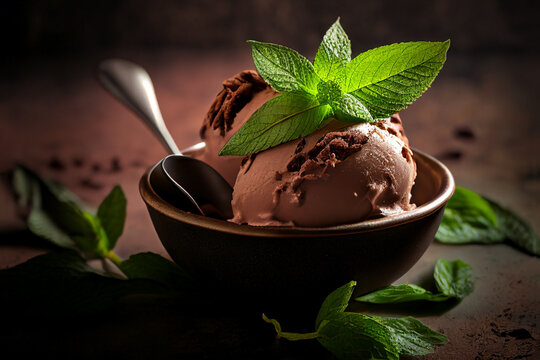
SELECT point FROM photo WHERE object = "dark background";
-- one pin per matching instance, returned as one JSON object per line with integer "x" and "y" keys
{"x": 479, "y": 117}
{"x": 63, "y": 27}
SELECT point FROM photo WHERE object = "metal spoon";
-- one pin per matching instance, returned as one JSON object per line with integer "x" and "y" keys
{"x": 183, "y": 181}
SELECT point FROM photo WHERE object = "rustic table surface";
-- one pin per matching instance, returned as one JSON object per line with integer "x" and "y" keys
{"x": 479, "y": 118}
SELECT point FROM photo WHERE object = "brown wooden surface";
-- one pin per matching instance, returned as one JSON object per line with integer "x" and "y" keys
{"x": 479, "y": 118}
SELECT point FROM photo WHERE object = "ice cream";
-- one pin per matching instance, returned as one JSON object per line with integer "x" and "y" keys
{"x": 241, "y": 95}
{"x": 340, "y": 174}
{"x": 337, "y": 175}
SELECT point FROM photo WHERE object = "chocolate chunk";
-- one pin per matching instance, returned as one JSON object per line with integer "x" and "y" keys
{"x": 236, "y": 93}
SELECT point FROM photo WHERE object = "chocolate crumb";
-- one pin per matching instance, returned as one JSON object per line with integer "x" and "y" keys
{"x": 78, "y": 162}
{"x": 464, "y": 133}
{"x": 451, "y": 155}
{"x": 96, "y": 167}
{"x": 395, "y": 119}
{"x": 300, "y": 146}
{"x": 278, "y": 176}
{"x": 236, "y": 93}
{"x": 115, "y": 165}
{"x": 296, "y": 163}
{"x": 56, "y": 164}
{"x": 89, "y": 183}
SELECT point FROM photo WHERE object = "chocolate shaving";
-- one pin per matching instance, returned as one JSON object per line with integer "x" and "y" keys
{"x": 237, "y": 92}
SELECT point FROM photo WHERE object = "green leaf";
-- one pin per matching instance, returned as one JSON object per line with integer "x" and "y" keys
{"x": 55, "y": 214}
{"x": 328, "y": 92}
{"x": 335, "y": 303}
{"x": 468, "y": 218}
{"x": 412, "y": 337}
{"x": 62, "y": 282}
{"x": 357, "y": 336}
{"x": 286, "y": 117}
{"x": 349, "y": 109}
{"x": 389, "y": 78}
{"x": 453, "y": 278}
{"x": 112, "y": 216}
{"x": 399, "y": 294}
{"x": 466, "y": 200}
{"x": 515, "y": 229}
{"x": 333, "y": 55}
{"x": 40, "y": 223}
{"x": 283, "y": 68}
{"x": 155, "y": 267}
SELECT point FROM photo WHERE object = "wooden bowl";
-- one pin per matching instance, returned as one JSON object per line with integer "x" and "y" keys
{"x": 283, "y": 266}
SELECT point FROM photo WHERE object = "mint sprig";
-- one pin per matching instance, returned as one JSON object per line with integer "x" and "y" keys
{"x": 472, "y": 219}
{"x": 372, "y": 86}
{"x": 453, "y": 280}
{"x": 351, "y": 335}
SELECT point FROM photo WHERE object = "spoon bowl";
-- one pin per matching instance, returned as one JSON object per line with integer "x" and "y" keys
{"x": 188, "y": 183}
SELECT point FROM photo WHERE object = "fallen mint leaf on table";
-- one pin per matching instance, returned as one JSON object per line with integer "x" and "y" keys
{"x": 357, "y": 336}
{"x": 351, "y": 335}
{"x": 112, "y": 216}
{"x": 335, "y": 303}
{"x": 472, "y": 219}
{"x": 453, "y": 280}
{"x": 155, "y": 267}
{"x": 57, "y": 215}
{"x": 62, "y": 282}
{"x": 412, "y": 337}
{"x": 372, "y": 86}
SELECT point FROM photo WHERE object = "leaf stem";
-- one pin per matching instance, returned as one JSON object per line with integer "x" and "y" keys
{"x": 114, "y": 258}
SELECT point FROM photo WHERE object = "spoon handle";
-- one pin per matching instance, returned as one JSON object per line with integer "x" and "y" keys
{"x": 131, "y": 84}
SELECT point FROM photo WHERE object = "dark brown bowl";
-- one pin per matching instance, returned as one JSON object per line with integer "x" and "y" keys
{"x": 276, "y": 264}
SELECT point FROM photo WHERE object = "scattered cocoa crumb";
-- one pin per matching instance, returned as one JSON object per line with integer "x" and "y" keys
{"x": 115, "y": 165}
{"x": 56, "y": 164}
{"x": 451, "y": 155}
{"x": 89, "y": 183}
{"x": 78, "y": 162}
{"x": 464, "y": 133}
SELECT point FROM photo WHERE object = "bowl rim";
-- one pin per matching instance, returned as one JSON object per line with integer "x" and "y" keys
{"x": 155, "y": 202}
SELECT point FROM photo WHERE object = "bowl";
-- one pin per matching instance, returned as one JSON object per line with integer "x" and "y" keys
{"x": 294, "y": 265}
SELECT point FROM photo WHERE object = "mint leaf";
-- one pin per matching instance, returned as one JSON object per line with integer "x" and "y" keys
{"x": 515, "y": 229}
{"x": 357, "y": 336}
{"x": 286, "y": 117}
{"x": 335, "y": 303}
{"x": 58, "y": 216}
{"x": 399, "y": 294}
{"x": 328, "y": 92}
{"x": 62, "y": 282}
{"x": 112, "y": 215}
{"x": 468, "y": 218}
{"x": 283, "y": 68}
{"x": 349, "y": 109}
{"x": 453, "y": 278}
{"x": 411, "y": 336}
{"x": 41, "y": 224}
{"x": 155, "y": 267}
{"x": 389, "y": 78}
{"x": 333, "y": 55}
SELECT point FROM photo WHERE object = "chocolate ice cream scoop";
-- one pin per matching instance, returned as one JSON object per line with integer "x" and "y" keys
{"x": 340, "y": 174}
{"x": 241, "y": 95}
